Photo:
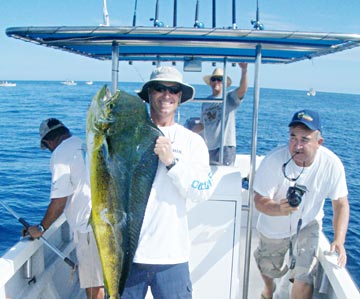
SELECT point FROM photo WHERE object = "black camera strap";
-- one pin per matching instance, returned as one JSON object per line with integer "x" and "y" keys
{"x": 292, "y": 256}
{"x": 295, "y": 240}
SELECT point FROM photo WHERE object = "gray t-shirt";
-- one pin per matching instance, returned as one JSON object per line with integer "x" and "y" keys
{"x": 211, "y": 118}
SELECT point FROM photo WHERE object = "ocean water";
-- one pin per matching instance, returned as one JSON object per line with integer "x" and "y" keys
{"x": 24, "y": 168}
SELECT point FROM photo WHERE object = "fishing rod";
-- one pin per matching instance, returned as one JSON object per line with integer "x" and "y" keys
{"x": 257, "y": 24}
{"x": 213, "y": 13}
{"x": 197, "y": 23}
{"x": 134, "y": 17}
{"x": 175, "y": 14}
{"x": 27, "y": 225}
{"x": 234, "y": 26}
{"x": 157, "y": 23}
{"x": 106, "y": 14}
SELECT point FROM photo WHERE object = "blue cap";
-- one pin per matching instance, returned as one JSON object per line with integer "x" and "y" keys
{"x": 308, "y": 118}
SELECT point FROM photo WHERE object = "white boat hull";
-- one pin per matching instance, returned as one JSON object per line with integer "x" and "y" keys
{"x": 218, "y": 231}
{"x": 7, "y": 84}
{"x": 69, "y": 83}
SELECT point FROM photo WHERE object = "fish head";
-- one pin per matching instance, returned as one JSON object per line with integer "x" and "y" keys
{"x": 100, "y": 116}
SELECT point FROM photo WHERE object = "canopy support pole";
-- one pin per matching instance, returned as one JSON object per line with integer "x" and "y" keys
{"x": 115, "y": 67}
{"x": 222, "y": 128}
{"x": 252, "y": 171}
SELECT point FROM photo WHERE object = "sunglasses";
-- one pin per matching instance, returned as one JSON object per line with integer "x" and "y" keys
{"x": 213, "y": 79}
{"x": 44, "y": 144}
{"x": 162, "y": 88}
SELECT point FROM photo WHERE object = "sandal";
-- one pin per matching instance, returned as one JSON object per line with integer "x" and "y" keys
{"x": 271, "y": 297}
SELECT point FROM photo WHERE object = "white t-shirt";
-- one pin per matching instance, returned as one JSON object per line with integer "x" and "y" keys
{"x": 211, "y": 114}
{"x": 324, "y": 179}
{"x": 164, "y": 237}
{"x": 69, "y": 178}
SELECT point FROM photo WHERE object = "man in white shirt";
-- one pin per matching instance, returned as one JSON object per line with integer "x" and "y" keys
{"x": 291, "y": 185}
{"x": 70, "y": 193}
{"x": 162, "y": 255}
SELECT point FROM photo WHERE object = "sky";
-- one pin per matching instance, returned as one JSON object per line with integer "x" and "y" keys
{"x": 333, "y": 73}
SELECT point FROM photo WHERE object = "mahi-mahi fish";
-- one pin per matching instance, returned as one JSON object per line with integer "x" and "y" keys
{"x": 120, "y": 142}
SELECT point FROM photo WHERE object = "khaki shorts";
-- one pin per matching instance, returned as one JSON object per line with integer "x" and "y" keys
{"x": 90, "y": 271}
{"x": 270, "y": 254}
{"x": 229, "y": 156}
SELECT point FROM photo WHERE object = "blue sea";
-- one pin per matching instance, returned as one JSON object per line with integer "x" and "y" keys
{"x": 24, "y": 168}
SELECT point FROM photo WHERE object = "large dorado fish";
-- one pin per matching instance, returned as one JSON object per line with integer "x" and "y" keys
{"x": 120, "y": 143}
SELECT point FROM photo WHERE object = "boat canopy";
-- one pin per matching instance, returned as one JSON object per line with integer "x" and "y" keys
{"x": 186, "y": 44}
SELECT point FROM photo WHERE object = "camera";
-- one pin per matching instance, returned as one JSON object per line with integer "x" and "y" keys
{"x": 294, "y": 195}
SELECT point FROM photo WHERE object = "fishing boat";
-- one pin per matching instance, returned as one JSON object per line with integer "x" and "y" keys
{"x": 223, "y": 228}
{"x": 311, "y": 92}
{"x": 69, "y": 82}
{"x": 7, "y": 84}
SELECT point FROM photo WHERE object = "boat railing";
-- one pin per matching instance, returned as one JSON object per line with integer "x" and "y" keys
{"x": 334, "y": 279}
{"x": 206, "y": 100}
{"x": 28, "y": 267}
{"x": 331, "y": 281}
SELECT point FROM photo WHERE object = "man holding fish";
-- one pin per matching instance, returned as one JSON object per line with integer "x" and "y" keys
{"x": 143, "y": 171}
{"x": 162, "y": 255}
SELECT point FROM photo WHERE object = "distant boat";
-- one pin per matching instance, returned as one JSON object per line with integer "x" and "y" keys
{"x": 7, "y": 84}
{"x": 89, "y": 82}
{"x": 311, "y": 92}
{"x": 69, "y": 82}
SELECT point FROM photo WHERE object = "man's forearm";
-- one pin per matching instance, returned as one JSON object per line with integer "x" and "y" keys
{"x": 55, "y": 209}
{"x": 340, "y": 219}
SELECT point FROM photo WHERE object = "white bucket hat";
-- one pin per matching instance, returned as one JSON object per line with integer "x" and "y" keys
{"x": 167, "y": 74}
{"x": 218, "y": 72}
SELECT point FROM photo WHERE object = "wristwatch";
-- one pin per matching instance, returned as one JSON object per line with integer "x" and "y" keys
{"x": 41, "y": 228}
{"x": 172, "y": 164}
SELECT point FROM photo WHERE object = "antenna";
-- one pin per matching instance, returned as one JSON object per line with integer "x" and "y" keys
{"x": 157, "y": 23}
{"x": 257, "y": 24}
{"x": 134, "y": 17}
{"x": 106, "y": 15}
{"x": 197, "y": 23}
{"x": 213, "y": 14}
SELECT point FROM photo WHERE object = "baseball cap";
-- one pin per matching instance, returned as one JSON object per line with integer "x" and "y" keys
{"x": 47, "y": 126}
{"x": 308, "y": 118}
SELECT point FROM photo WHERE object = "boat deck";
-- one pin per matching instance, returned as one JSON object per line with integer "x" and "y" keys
{"x": 255, "y": 282}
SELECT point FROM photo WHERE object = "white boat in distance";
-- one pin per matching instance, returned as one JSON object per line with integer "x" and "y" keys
{"x": 69, "y": 82}
{"x": 311, "y": 92}
{"x": 7, "y": 84}
{"x": 89, "y": 82}
{"x": 222, "y": 229}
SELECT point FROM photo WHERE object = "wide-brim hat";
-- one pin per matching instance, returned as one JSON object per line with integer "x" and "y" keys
{"x": 167, "y": 74}
{"x": 218, "y": 72}
{"x": 47, "y": 126}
